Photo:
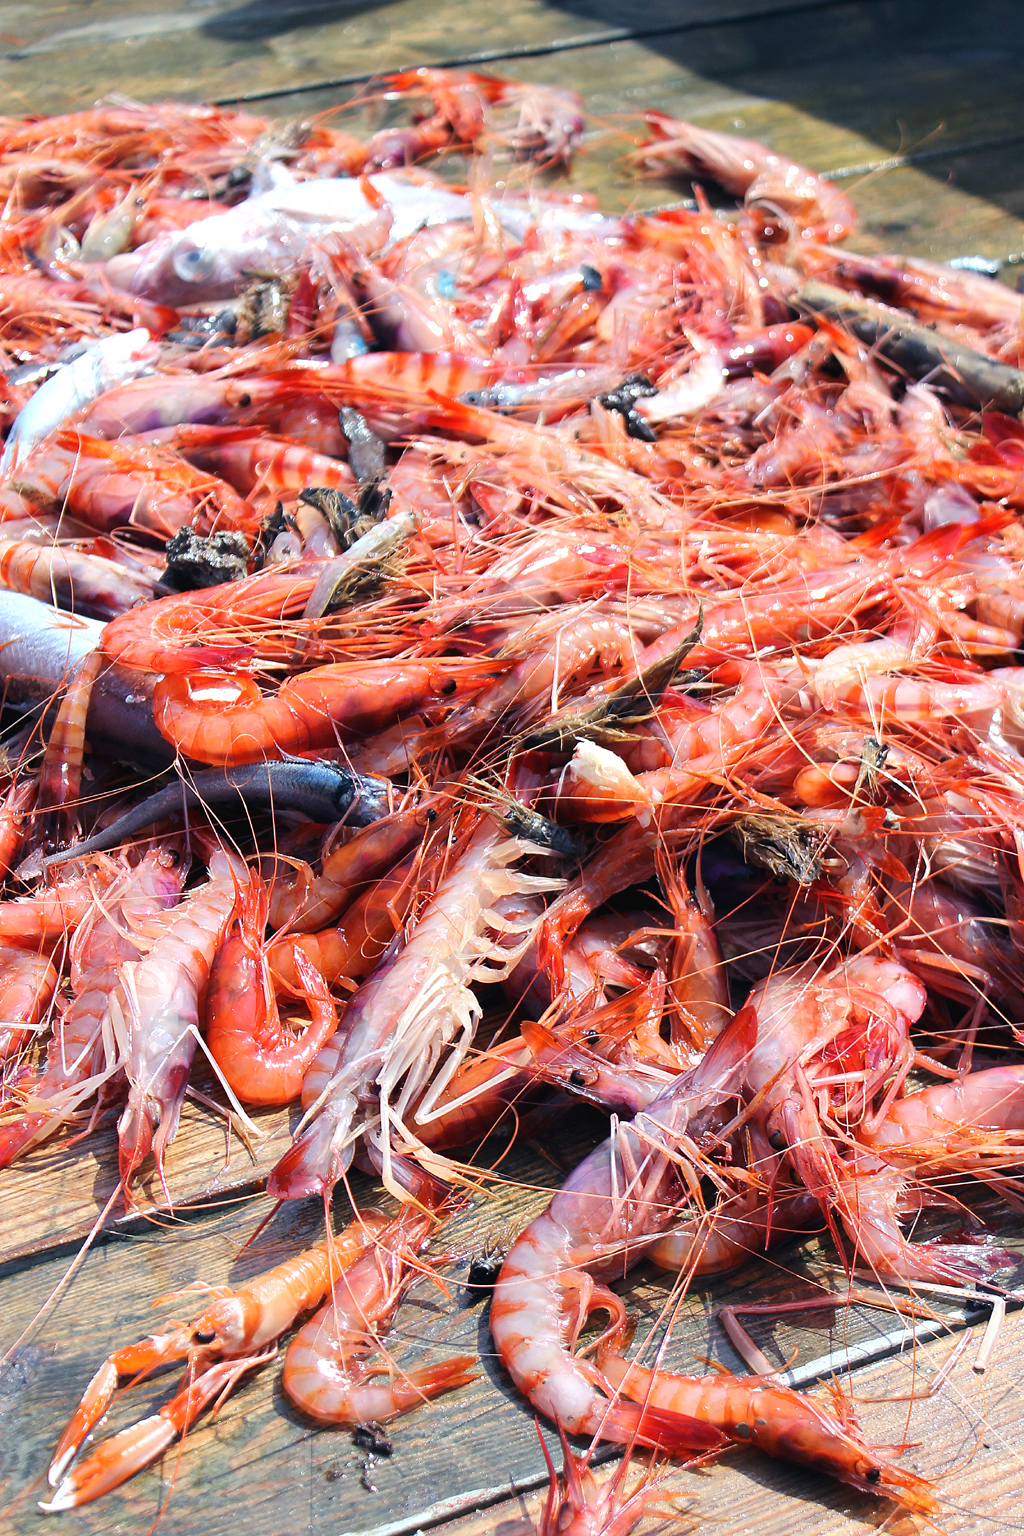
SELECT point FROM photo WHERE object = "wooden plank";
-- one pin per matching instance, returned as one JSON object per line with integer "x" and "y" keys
{"x": 846, "y": 88}
{"x": 836, "y": 87}
{"x": 68, "y": 55}
{"x": 972, "y": 1447}
{"x": 476, "y": 1445}
{"x": 55, "y": 1194}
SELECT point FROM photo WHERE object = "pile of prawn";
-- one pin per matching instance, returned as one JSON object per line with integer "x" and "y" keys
{"x": 416, "y": 594}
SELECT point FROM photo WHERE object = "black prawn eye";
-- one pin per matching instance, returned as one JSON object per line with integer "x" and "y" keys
{"x": 578, "y": 1078}
{"x": 204, "y": 1335}
{"x": 873, "y": 1474}
{"x": 450, "y": 686}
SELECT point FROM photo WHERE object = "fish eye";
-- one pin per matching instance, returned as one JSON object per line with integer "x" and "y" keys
{"x": 193, "y": 263}
{"x": 204, "y": 1335}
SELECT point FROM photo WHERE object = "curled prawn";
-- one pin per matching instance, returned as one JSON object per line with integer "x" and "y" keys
{"x": 328, "y": 1370}
{"x": 262, "y": 1061}
{"x": 221, "y": 626}
{"x": 609, "y": 1212}
{"x": 223, "y": 719}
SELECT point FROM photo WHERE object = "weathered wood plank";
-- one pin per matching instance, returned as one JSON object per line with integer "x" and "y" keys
{"x": 848, "y": 87}
{"x": 260, "y": 1450}
{"x": 61, "y": 55}
{"x": 972, "y": 1444}
{"x": 57, "y": 1193}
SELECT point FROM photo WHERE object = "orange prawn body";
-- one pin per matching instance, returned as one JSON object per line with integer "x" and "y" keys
{"x": 261, "y": 1059}
{"x": 757, "y": 1411}
{"x": 354, "y": 946}
{"x": 260, "y": 464}
{"x": 328, "y": 1370}
{"x": 220, "y": 719}
{"x": 213, "y": 628}
{"x": 17, "y": 803}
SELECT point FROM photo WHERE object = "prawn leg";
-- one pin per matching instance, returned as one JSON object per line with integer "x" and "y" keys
{"x": 135, "y": 1360}
{"x": 124, "y": 1454}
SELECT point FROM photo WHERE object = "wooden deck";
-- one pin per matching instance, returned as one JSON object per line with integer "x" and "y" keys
{"x": 916, "y": 108}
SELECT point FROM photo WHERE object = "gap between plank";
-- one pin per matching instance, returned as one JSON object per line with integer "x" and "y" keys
{"x": 559, "y": 45}
{"x": 869, "y": 1352}
{"x": 920, "y": 156}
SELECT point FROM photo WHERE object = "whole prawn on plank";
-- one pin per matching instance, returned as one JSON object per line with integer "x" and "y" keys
{"x": 238, "y": 1332}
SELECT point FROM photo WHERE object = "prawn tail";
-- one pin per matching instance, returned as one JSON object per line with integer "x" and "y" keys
{"x": 676, "y": 1434}
{"x": 432, "y": 1380}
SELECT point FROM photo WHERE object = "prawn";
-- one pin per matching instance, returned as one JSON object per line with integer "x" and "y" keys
{"x": 769, "y": 183}
{"x": 313, "y": 901}
{"x": 577, "y": 1506}
{"x": 235, "y": 1332}
{"x": 83, "y": 1054}
{"x": 604, "y": 1219}
{"x": 412, "y": 1012}
{"x": 14, "y": 820}
{"x": 758, "y": 1411}
{"x": 225, "y": 625}
{"x": 111, "y": 484}
{"x": 27, "y": 985}
{"x": 856, "y": 1018}
{"x": 948, "y": 1125}
{"x": 162, "y": 993}
{"x": 77, "y": 580}
{"x": 257, "y": 464}
{"x": 215, "y": 717}
{"x": 60, "y": 777}
{"x": 262, "y": 1061}
{"x": 50, "y": 916}
{"x": 354, "y": 946}
{"x": 328, "y": 1372}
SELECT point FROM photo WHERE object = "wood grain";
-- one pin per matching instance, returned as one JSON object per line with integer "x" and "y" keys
{"x": 55, "y": 1194}
{"x": 475, "y": 1446}
{"x": 972, "y": 1448}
